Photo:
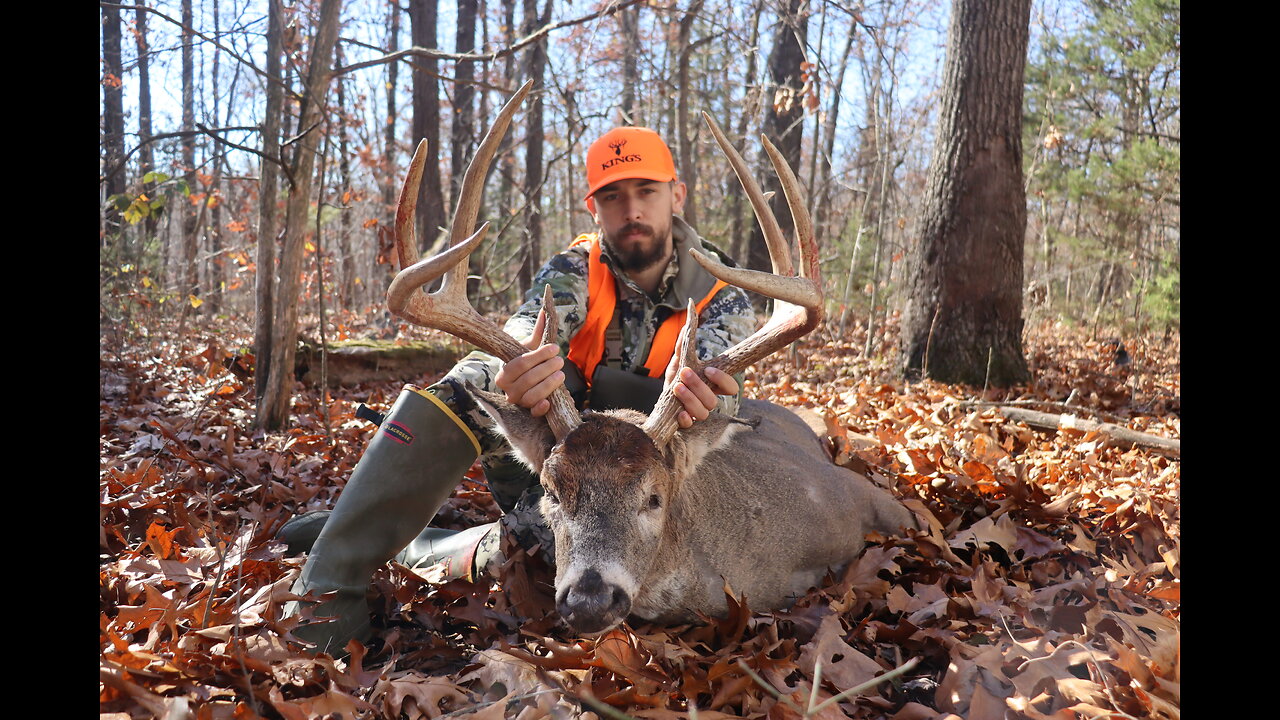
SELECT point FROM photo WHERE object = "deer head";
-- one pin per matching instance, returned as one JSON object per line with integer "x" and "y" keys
{"x": 617, "y": 483}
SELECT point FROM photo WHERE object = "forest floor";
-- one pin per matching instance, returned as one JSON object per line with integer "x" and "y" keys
{"x": 1046, "y": 587}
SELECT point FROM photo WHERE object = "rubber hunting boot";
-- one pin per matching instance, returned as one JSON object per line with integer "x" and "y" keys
{"x": 408, "y": 470}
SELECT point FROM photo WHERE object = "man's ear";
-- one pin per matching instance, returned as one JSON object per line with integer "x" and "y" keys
{"x": 530, "y": 437}
{"x": 678, "y": 194}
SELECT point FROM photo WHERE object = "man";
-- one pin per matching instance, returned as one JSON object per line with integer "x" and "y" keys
{"x": 620, "y": 295}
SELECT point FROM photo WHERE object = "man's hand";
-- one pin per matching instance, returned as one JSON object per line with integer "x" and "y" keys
{"x": 698, "y": 397}
{"x": 530, "y": 379}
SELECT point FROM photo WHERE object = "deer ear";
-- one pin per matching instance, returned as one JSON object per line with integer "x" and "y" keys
{"x": 530, "y": 437}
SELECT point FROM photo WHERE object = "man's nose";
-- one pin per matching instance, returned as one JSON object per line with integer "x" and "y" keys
{"x": 631, "y": 209}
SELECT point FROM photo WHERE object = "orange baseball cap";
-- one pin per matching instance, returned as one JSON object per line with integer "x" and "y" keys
{"x": 628, "y": 152}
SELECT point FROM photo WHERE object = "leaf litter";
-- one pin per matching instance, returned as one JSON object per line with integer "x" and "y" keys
{"x": 1045, "y": 585}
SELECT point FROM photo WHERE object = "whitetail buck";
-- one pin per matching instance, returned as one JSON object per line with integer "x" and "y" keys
{"x": 651, "y": 520}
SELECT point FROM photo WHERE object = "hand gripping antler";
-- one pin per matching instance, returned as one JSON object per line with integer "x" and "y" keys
{"x": 798, "y": 309}
{"x": 447, "y": 309}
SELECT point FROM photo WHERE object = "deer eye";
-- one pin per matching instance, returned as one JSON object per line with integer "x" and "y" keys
{"x": 655, "y": 501}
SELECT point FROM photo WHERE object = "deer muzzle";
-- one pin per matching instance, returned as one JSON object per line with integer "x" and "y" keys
{"x": 591, "y": 604}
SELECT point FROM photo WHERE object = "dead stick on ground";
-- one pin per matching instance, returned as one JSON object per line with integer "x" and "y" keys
{"x": 1050, "y": 421}
{"x": 1068, "y": 405}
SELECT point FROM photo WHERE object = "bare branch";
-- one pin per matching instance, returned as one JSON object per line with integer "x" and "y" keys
{"x": 200, "y": 35}
{"x": 201, "y": 130}
{"x": 490, "y": 56}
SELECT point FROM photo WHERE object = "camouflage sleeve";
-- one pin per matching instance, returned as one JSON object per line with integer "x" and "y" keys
{"x": 566, "y": 272}
{"x": 727, "y": 320}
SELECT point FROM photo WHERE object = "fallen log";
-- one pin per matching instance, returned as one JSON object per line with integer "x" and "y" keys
{"x": 1052, "y": 421}
{"x": 356, "y": 361}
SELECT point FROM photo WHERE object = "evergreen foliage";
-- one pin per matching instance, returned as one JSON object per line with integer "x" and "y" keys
{"x": 1103, "y": 115}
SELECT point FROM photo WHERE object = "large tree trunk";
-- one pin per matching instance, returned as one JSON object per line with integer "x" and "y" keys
{"x": 112, "y": 118}
{"x": 537, "y": 59}
{"x": 268, "y": 189}
{"x": 273, "y": 407}
{"x": 783, "y": 124}
{"x": 963, "y": 318}
{"x": 426, "y": 124}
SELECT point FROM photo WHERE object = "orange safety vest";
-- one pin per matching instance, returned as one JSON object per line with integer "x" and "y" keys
{"x": 586, "y": 348}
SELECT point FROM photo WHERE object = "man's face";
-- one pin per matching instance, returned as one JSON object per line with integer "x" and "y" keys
{"x": 634, "y": 216}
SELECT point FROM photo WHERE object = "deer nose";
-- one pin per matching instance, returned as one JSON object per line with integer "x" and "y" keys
{"x": 591, "y": 604}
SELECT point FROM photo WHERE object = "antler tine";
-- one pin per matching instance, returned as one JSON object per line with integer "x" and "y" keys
{"x": 798, "y": 309}
{"x": 778, "y": 253}
{"x": 464, "y": 217}
{"x": 405, "y": 237}
{"x": 796, "y": 203}
{"x": 661, "y": 424}
{"x": 805, "y": 290}
{"x": 447, "y": 309}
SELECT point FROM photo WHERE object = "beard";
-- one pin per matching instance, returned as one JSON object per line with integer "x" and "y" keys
{"x": 642, "y": 253}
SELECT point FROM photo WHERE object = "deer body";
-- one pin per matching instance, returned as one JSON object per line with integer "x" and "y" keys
{"x": 752, "y": 502}
{"x": 768, "y": 512}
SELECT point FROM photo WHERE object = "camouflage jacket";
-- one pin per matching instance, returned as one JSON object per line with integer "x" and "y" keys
{"x": 726, "y": 320}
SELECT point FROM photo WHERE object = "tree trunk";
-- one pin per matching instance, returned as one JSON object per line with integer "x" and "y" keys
{"x": 426, "y": 124}
{"x": 268, "y": 189}
{"x": 273, "y": 407}
{"x": 462, "y": 130}
{"x": 213, "y": 231}
{"x": 688, "y": 167}
{"x": 963, "y": 318}
{"x": 187, "y": 272}
{"x": 506, "y": 159}
{"x": 146, "y": 154}
{"x": 390, "y": 145}
{"x": 537, "y": 59}
{"x": 345, "y": 273}
{"x": 783, "y": 123}
{"x": 629, "y": 23}
{"x": 821, "y": 198}
{"x": 112, "y": 118}
{"x": 390, "y": 186}
{"x": 749, "y": 102}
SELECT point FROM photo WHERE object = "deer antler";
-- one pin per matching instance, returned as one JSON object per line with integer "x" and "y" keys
{"x": 447, "y": 309}
{"x": 798, "y": 309}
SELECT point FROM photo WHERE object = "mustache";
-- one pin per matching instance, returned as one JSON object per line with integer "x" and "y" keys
{"x": 636, "y": 227}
